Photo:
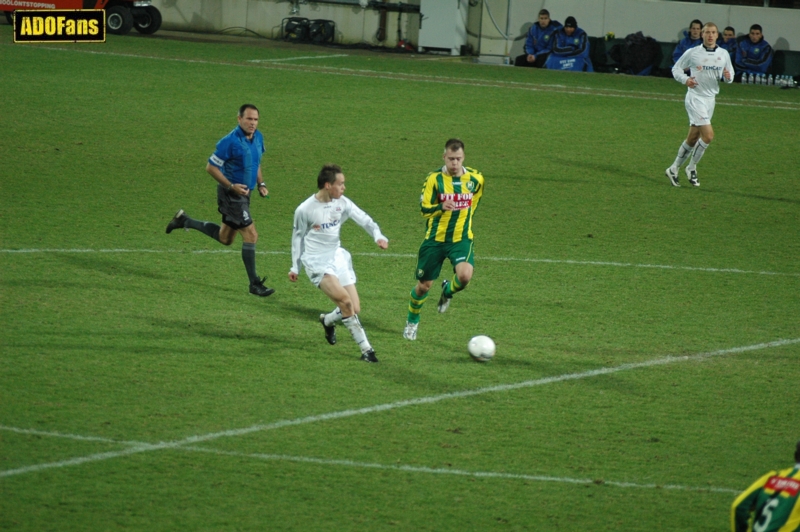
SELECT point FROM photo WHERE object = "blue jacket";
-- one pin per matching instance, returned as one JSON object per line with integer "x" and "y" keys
{"x": 575, "y": 45}
{"x": 753, "y": 58}
{"x": 683, "y": 45}
{"x": 730, "y": 46}
{"x": 540, "y": 40}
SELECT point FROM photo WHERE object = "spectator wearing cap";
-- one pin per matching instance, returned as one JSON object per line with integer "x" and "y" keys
{"x": 570, "y": 48}
{"x": 690, "y": 39}
{"x": 539, "y": 41}
{"x": 753, "y": 53}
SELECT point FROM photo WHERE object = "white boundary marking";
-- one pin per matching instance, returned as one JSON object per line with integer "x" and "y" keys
{"x": 459, "y": 472}
{"x": 425, "y": 78}
{"x": 412, "y": 255}
{"x": 296, "y": 58}
{"x": 136, "y": 447}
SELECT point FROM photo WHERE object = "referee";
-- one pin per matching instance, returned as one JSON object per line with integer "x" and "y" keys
{"x": 236, "y": 166}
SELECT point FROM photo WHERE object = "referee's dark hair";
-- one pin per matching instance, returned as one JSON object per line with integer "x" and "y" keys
{"x": 453, "y": 145}
{"x": 328, "y": 175}
{"x": 247, "y": 106}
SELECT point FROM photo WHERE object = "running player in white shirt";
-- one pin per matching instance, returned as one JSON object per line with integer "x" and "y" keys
{"x": 316, "y": 246}
{"x": 707, "y": 64}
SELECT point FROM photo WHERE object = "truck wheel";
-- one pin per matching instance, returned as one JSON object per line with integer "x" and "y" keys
{"x": 148, "y": 22}
{"x": 119, "y": 20}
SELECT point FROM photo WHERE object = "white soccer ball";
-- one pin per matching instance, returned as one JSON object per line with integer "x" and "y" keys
{"x": 481, "y": 348}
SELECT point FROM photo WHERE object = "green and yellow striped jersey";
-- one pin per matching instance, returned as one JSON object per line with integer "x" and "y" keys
{"x": 466, "y": 191}
{"x": 774, "y": 502}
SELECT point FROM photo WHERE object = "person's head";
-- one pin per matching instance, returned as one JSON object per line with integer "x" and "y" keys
{"x": 756, "y": 33}
{"x": 797, "y": 453}
{"x": 728, "y": 33}
{"x": 331, "y": 179}
{"x": 248, "y": 118}
{"x": 453, "y": 156}
{"x": 710, "y": 34}
{"x": 544, "y": 18}
{"x": 569, "y": 25}
{"x": 695, "y": 29}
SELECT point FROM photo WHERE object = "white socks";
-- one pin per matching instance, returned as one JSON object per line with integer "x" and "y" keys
{"x": 333, "y": 317}
{"x": 354, "y": 326}
{"x": 699, "y": 150}
{"x": 683, "y": 153}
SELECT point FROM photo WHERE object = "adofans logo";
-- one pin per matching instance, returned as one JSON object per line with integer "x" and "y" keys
{"x": 74, "y": 25}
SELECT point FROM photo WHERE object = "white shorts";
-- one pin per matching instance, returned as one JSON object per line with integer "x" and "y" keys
{"x": 700, "y": 110}
{"x": 339, "y": 265}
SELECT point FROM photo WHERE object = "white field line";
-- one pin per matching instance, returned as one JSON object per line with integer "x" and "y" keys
{"x": 422, "y": 78}
{"x": 457, "y": 472}
{"x": 411, "y": 255}
{"x": 49, "y": 434}
{"x": 140, "y": 446}
{"x": 342, "y": 414}
{"x": 296, "y": 58}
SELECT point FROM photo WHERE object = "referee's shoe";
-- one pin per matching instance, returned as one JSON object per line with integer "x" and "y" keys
{"x": 257, "y": 288}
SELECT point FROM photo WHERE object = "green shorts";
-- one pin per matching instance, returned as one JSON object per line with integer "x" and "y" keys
{"x": 432, "y": 254}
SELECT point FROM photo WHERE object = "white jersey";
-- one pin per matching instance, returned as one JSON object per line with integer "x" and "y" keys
{"x": 706, "y": 66}
{"x": 316, "y": 229}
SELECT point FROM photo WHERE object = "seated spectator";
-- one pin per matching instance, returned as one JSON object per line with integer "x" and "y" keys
{"x": 570, "y": 48}
{"x": 539, "y": 41}
{"x": 728, "y": 41}
{"x": 690, "y": 39}
{"x": 753, "y": 53}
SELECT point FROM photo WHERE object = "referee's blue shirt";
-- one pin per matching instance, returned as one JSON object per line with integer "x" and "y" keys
{"x": 239, "y": 158}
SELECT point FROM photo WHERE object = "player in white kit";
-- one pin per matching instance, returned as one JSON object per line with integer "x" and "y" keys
{"x": 317, "y": 248}
{"x": 707, "y": 64}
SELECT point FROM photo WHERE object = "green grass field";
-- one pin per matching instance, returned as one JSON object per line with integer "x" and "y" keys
{"x": 648, "y": 336}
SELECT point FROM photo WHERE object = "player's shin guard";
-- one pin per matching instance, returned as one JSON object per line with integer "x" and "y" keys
{"x": 699, "y": 150}
{"x": 415, "y": 305}
{"x": 207, "y": 228}
{"x": 357, "y": 332}
{"x": 683, "y": 153}
{"x": 249, "y": 259}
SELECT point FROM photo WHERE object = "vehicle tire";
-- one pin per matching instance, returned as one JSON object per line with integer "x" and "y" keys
{"x": 9, "y": 17}
{"x": 149, "y": 22}
{"x": 119, "y": 20}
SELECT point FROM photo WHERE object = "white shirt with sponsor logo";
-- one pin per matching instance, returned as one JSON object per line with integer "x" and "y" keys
{"x": 315, "y": 236}
{"x": 706, "y": 66}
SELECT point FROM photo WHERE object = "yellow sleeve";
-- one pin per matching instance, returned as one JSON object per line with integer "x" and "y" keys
{"x": 429, "y": 200}
{"x": 744, "y": 504}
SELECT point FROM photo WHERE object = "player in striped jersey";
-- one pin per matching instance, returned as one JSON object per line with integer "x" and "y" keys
{"x": 773, "y": 501}
{"x": 707, "y": 64}
{"x": 449, "y": 198}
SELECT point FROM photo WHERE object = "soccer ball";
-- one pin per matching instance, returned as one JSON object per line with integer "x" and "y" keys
{"x": 481, "y": 348}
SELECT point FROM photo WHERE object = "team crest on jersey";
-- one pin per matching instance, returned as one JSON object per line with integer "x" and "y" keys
{"x": 756, "y": 50}
{"x": 577, "y": 41}
{"x": 470, "y": 186}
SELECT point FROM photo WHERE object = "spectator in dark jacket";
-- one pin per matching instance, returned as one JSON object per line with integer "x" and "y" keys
{"x": 753, "y": 53}
{"x": 728, "y": 41}
{"x": 539, "y": 41}
{"x": 571, "y": 42}
{"x": 691, "y": 39}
